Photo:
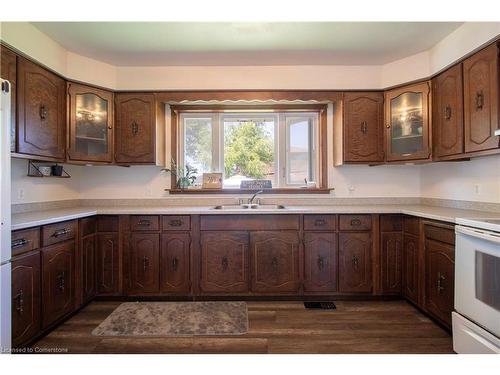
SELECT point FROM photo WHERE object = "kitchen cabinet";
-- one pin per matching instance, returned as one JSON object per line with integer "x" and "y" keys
{"x": 320, "y": 262}
{"x": 408, "y": 120}
{"x": 481, "y": 100}
{"x": 108, "y": 264}
{"x": 275, "y": 262}
{"x": 391, "y": 249}
{"x": 363, "y": 127}
{"x": 448, "y": 113}
{"x": 88, "y": 267}
{"x": 57, "y": 281}
{"x": 410, "y": 268}
{"x": 144, "y": 257}
{"x": 41, "y": 104}
{"x": 175, "y": 263}
{"x": 90, "y": 124}
{"x": 440, "y": 271}
{"x": 8, "y": 60}
{"x": 355, "y": 262}
{"x": 25, "y": 298}
{"x": 139, "y": 129}
{"x": 224, "y": 262}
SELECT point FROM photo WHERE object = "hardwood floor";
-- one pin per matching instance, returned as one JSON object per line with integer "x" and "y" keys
{"x": 275, "y": 327}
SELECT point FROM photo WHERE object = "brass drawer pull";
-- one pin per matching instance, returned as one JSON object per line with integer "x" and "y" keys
{"x": 479, "y": 100}
{"x": 44, "y": 112}
{"x": 440, "y": 279}
{"x": 61, "y": 278}
{"x": 319, "y": 222}
{"x": 447, "y": 112}
{"x": 225, "y": 263}
{"x": 144, "y": 222}
{"x": 364, "y": 127}
{"x": 355, "y": 222}
{"x": 61, "y": 232}
{"x": 20, "y": 243}
{"x": 175, "y": 223}
{"x": 355, "y": 261}
{"x": 321, "y": 263}
{"x": 145, "y": 263}
{"x": 175, "y": 264}
{"x": 20, "y": 302}
{"x": 135, "y": 128}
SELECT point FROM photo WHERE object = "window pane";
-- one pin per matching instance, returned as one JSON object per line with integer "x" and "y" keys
{"x": 299, "y": 150}
{"x": 198, "y": 145}
{"x": 249, "y": 151}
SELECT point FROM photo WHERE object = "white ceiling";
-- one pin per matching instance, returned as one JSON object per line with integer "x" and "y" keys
{"x": 224, "y": 43}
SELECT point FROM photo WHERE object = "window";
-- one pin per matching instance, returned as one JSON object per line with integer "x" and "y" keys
{"x": 278, "y": 147}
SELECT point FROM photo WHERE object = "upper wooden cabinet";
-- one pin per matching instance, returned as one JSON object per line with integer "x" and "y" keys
{"x": 41, "y": 100}
{"x": 363, "y": 132}
{"x": 139, "y": 129}
{"x": 9, "y": 72}
{"x": 447, "y": 118}
{"x": 408, "y": 122}
{"x": 90, "y": 124}
{"x": 481, "y": 100}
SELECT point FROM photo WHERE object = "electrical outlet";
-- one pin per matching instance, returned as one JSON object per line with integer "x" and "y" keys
{"x": 20, "y": 194}
{"x": 477, "y": 189}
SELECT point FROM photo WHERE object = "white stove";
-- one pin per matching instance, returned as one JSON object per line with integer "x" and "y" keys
{"x": 476, "y": 321}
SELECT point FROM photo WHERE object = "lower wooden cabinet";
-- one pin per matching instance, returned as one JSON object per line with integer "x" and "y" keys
{"x": 320, "y": 262}
{"x": 175, "y": 263}
{"x": 355, "y": 262}
{"x": 144, "y": 257}
{"x": 410, "y": 268}
{"x": 390, "y": 262}
{"x": 224, "y": 262}
{"x": 25, "y": 298}
{"x": 58, "y": 263}
{"x": 275, "y": 262}
{"x": 107, "y": 264}
{"x": 88, "y": 276}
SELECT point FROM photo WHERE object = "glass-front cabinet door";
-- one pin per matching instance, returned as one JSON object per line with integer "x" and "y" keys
{"x": 407, "y": 122}
{"x": 91, "y": 119}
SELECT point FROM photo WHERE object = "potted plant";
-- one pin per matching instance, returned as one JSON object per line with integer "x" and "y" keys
{"x": 185, "y": 176}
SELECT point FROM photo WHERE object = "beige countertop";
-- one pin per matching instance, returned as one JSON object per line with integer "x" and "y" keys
{"x": 36, "y": 218}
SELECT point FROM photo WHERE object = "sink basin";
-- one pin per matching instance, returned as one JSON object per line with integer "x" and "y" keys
{"x": 257, "y": 207}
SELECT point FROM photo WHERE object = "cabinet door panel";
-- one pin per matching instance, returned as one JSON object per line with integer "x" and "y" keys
{"x": 144, "y": 260}
{"x": 481, "y": 100}
{"x": 175, "y": 263}
{"x": 224, "y": 262}
{"x": 275, "y": 262}
{"x": 440, "y": 271}
{"x": 135, "y": 128}
{"x": 355, "y": 265}
{"x": 88, "y": 267}
{"x": 25, "y": 298}
{"x": 9, "y": 72}
{"x": 448, "y": 113}
{"x": 320, "y": 260}
{"x": 390, "y": 262}
{"x": 410, "y": 268}
{"x": 41, "y": 102}
{"x": 363, "y": 127}
{"x": 108, "y": 264}
{"x": 57, "y": 281}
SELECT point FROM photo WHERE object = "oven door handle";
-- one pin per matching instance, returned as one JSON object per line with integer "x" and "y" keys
{"x": 488, "y": 236}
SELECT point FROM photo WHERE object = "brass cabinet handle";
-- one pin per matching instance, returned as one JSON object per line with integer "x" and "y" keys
{"x": 274, "y": 263}
{"x": 355, "y": 222}
{"x": 145, "y": 263}
{"x": 355, "y": 261}
{"x": 62, "y": 281}
{"x": 19, "y": 243}
{"x": 175, "y": 263}
{"x": 20, "y": 302}
{"x": 144, "y": 222}
{"x": 388, "y": 126}
{"x": 175, "y": 223}
{"x": 320, "y": 222}
{"x": 364, "y": 127}
{"x": 447, "y": 112}
{"x": 479, "y": 100}
{"x": 225, "y": 263}
{"x": 321, "y": 263}
{"x": 61, "y": 232}
{"x": 440, "y": 279}
{"x": 43, "y": 111}
{"x": 135, "y": 128}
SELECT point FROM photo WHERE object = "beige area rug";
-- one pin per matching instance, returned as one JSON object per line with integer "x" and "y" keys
{"x": 175, "y": 319}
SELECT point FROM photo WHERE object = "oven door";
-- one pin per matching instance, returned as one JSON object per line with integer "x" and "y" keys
{"x": 477, "y": 277}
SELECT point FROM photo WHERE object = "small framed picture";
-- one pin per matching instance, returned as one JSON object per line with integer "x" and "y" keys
{"x": 212, "y": 181}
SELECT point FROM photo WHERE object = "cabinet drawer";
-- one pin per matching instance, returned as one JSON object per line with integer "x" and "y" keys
{"x": 320, "y": 222}
{"x": 107, "y": 223}
{"x": 440, "y": 232}
{"x": 144, "y": 222}
{"x": 176, "y": 222}
{"x": 58, "y": 232}
{"x": 411, "y": 225}
{"x": 87, "y": 226}
{"x": 391, "y": 223}
{"x": 355, "y": 222}
{"x": 25, "y": 240}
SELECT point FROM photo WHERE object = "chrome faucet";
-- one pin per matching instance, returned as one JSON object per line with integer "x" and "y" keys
{"x": 250, "y": 201}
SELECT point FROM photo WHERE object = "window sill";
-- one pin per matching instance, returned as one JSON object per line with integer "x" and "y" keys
{"x": 251, "y": 191}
